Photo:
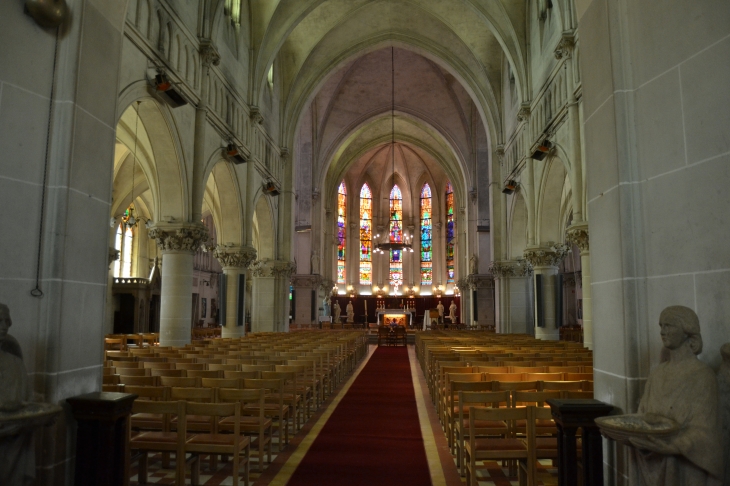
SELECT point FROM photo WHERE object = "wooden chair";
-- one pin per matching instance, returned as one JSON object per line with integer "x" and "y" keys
{"x": 110, "y": 380}
{"x": 174, "y": 373}
{"x": 455, "y": 409}
{"x": 157, "y": 365}
{"x": 292, "y": 397}
{"x": 253, "y": 421}
{"x": 215, "y": 443}
{"x": 499, "y": 448}
{"x": 180, "y": 382}
{"x": 469, "y": 399}
{"x": 139, "y": 380}
{"x": 562, "y": 385}
{"x": 202, "y": 395}
{"x": 222, "y": 367}
{"x": 579, "y": 376}
{"x": 449, "y": 398}
{"x": 400, "y": 337}
{"x": 220, "y": 382}
{"x": 536, "y": 399}
{"x": 303, "y": 387}
{"x": 133, "y": 372}
{"x": 383, "y": 335}
{"x": 205, "y": 374}
{"x": 274, "y": 407}
{"x": 162, "y": 440}
{"x": 189, "y": 366}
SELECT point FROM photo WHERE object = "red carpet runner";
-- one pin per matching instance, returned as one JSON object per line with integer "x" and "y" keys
{"x": 373, "y": 437}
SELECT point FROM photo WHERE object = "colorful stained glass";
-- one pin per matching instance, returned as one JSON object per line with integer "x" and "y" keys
{"x": 341, "y": 231}
{"x": 426, "y": 228}
{"x": 366, "y": 235}
{"x": 450, "y": 233}
{"x": 396, "y": 236}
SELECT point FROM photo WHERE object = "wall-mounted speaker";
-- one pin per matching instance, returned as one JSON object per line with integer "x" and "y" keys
{"x": 167, "y": 91}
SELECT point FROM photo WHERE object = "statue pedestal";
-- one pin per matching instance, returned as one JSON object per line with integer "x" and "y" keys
{"x": 102, "y": 449}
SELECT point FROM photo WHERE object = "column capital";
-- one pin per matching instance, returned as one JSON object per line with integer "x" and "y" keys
{"x": 326, "y": 285}
{"x": 577, "y": 234}
{"x": 480, "y": 281}
{"x": 510, "y": 268}
{"x": 463, "y": 284}
{"x": 273, "y": 268}
{"x": 309, "y": 281}
{"x": 565, "y": 47}
{"x": 524, "y": 113}
{"x": 179, "y": 236}
{"x": 235, "y": 256}
{"x": 208, "y": 53}
{"x": 546, "y": 256}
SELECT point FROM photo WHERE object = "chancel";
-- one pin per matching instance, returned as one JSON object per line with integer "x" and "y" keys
{"x": 220, "y": 202}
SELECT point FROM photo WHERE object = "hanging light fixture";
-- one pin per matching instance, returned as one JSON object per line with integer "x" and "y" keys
{"x": 405, "y": 245}
{"x": 129, "y": 218}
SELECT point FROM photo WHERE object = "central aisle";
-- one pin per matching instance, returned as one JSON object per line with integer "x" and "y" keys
{"x": 374, "y": 435}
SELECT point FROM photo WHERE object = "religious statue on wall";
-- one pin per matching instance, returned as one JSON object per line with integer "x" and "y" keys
{"x": 682, "y": 390}
{"x": 474, "y": 264}
{"x": 315, "y": 262}
{"x": 452, "y": 312}
{"x": 440, "y": 308}
{"x": 326, "y": 306}
{"x": 336, "y": 310}
{"x": 350, "y": 313}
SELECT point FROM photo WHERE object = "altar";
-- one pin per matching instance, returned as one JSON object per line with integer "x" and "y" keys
{"x": 402, "y": 317}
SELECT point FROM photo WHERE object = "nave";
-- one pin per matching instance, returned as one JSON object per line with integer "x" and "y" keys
{"x": 379, "y": 423}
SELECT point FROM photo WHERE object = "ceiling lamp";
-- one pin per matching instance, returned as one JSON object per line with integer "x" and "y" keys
{"x": 404, "y": 245}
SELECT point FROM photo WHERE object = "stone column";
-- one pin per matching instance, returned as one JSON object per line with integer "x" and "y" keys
{"x": 283, "y": 270}
{"x": 303, "y": 287}
{"x": 178, "y": 243}
{"x": 512, "y": 293}
{"x": 545, "y": 261}
{"x": 578, "y": 235}
{"x": 113, "y": 256}
{"x": 270, "y": 302}
{"x": 484, "y": 286}
{"x": 235, "y": 260}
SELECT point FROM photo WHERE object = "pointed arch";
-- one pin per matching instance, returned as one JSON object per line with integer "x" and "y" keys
{"x": 426, "y": 213}
{"x": 396, "y": 236}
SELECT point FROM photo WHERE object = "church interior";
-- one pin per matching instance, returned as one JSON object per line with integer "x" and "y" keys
{"x": 270, "y": 181}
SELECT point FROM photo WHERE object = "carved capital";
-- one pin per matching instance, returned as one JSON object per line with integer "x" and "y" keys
{"x": 524, "y": 113}
{"x": 235, "y": 256}
{"x": 480, "y": 281}
{"x": 284, "y": 268}
{"x": 577, "y": 234}
{"x": 550, "y": 256}
{"x": 179, "y": 237}
{"x": 255, "y": 114}
{"x": 502, "y": 269}
{"x": 309, "y": 281}
{"x": 209, "y": 54}
{"x": 463, "y": 284}
{"x": 565, "y": 46}
{"x": 326, "y": 285}
{"x": 113, "y": 255}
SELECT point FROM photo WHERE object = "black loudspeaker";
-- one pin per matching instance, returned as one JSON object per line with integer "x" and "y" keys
{"x": 223, "y": 306}
{"x": 270, "y": 188}
{"x": 313, "y": 307}
{"x": 241, "y": 309}
{"x": 542, "y": 150}
{"x": 539, "y": 302}
{"x": 167, "y": 91}
{"x": 233, "y": 153}
{"x": 509, "y": 187}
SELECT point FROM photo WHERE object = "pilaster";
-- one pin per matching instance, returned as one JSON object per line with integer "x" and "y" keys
{"x": 235, "y": 261}
{"x": 578, "y": 235}
{"x": 545, "y": 261}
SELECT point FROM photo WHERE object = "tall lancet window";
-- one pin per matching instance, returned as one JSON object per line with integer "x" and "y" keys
{"x": 396, "y": 236}
{"x": 426, "y": 227}
{"x": 450, "y": 233}
{"x": 366, "y": 235}
{"x": 123, "y": 243}
{"x": 341, "y": 231}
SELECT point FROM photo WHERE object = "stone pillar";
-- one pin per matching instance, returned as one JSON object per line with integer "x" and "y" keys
{"x": 283, "y": 270}
{"x": 235, "y": 261}
{"x": 303, "y": 287}
{"x": 545, "y": 261}
{"x": 270, "y": 303}
{"x": 178, "y": 243}
{"x": 578, "y": 235}
{"x": 512, "y": 293}
{"x": 113, "y": 256}
{"x": 485, "y": 311}
{"x": 464, "y": 312}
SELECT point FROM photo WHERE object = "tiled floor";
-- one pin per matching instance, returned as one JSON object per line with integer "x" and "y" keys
{"x": 441, "y": 463}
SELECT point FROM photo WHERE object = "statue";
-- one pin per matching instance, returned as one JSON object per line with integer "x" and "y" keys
{"x": 326, "y": 306}
{"x": 350, "y": 313}
{"x": 440, "y": 308}
{"x": 452, "y": 312}
{"x": 315, "y": 262}
{"x": 474, "y": 264}
{"x": 336, "y": 311}
{"x": 723, "y": 389}
{"x": 684, "y": 390}
{"x": 17, "y": 454}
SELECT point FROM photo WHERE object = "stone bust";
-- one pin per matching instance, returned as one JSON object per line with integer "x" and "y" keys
{"x": 683, "y": 389}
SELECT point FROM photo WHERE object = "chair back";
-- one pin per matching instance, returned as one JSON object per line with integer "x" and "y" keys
{"x": 184, "y": 382}
{"x": 220, "y": 382}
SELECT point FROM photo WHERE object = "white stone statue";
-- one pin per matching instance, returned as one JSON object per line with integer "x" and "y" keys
{"x": 350, "y": 313}
{"x": 440, "y": 308}
{"x": 315, "y": 262}
{"x": 682, "y": 389}
{"x": 336, "y": 310}
{"x": 452, "y": 312}
{"x": 723, "y": 389}
{"x": 474, "y": 264}
{"x": 17, "y": 455}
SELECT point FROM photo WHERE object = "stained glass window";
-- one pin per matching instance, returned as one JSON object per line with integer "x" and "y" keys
{"x": 396, "y": 236}
{"x": 341, "y": 231}
{"x": 124, "y": 243}
{"x": 366, "y": 235}
{"x": 450, "y": 233}
{"x": 426, "y": 227}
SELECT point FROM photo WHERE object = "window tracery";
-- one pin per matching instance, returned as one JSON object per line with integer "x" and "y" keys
{"x": 396, "y": 236}
{"x": 341, "y": 231}
{"x": 426, "y": 230}
{"x": 450, "y": 233}
{"x": 366, "y": 235}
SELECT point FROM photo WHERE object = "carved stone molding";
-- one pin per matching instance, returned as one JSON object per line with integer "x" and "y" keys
{"x": 524, "y": 113}
{"x": 499, "y": 153}
{"x": 550, "y": 256}
{"x": 326, "y": 285}
{"x": 209, "y": 54}
{"x": 502, "y": 269}
{"x": 255, "y": 114}
{"x": 284, "y": 268}
{"x": 179, "y": 237}
{"x": 309, "y": 281}
{"x": 113, "y": 256}
{"x": 577, "y": 234}
{"x": 480, "y": 281}
{"x": 463, "y": 284}
{"x": 235, "y": 256}
{"x": 273, "y": 268}
{"x": 565, "y": 46}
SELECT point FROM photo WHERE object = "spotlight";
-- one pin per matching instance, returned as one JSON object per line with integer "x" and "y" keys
{"x": 542, "y": 150}
{"x": 168, "y": 93}
{"x": 509, "y": 186}
{"x": 234, "y": 153}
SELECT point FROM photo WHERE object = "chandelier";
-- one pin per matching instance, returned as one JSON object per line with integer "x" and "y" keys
{"x": 405, "y": 245}
{"x": 130, "y": 219}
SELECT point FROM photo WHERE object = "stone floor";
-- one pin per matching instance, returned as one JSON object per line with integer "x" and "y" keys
{"x": 441, "y": 463}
